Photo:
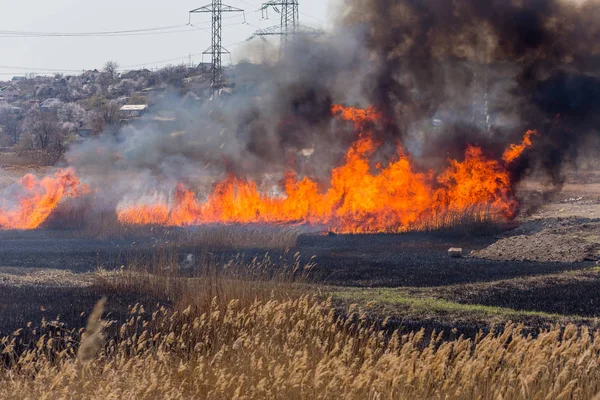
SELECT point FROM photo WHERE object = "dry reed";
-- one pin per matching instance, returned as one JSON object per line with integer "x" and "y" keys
{"x": 93, "y": 339}
{"x": 300, "y": 348}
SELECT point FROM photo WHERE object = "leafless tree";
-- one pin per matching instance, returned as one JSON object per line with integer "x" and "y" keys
{"x": 11, "y": 124}
{"x": 102, "y": 83}
{"x": 106, "y": 118}
{"x": 72, "y": 116}
{"x": 45, "y": 130}
{"x": 111, "y": 68}
{"x": 174, "y": 75}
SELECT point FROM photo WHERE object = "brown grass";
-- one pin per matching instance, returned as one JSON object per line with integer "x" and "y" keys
{"x": 164, "y": 276}
{"x": 93, "y": 339}
{"x": 29, "y": 158}
{"x": 246, "y": 330}
{"x": 298, "y": 348}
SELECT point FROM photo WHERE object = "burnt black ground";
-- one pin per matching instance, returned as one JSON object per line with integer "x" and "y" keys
{"x": 21, "y": 305}
{"x": 57, "y": 250}
{"x": 418, "y": 260}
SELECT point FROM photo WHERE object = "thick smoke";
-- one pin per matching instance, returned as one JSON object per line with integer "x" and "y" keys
{"x": 530, "y": 64}
{"x": 445, "y": 74}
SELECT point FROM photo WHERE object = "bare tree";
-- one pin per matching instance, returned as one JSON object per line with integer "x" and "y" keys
{"x": 111, "y": 68}
{"x": 102, "y": 83}
{"x": 11, "y": 123}
{"x": 12, "y": 128}
{"x": 174, "y": 75}
{"x": 106, "y": 118}
{"x": 72, "y": 116}
{"x": 45, "y": 130}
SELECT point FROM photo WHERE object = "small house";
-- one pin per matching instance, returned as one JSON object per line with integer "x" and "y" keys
{"x": 132, "y": 111}
{"x": 10, "y": 93}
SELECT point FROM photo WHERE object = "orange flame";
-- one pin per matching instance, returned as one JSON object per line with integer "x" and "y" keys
{"x": 357, "y": 115}
{"x": 516, "y": 150}
{"x": 38, "y": 198}
{"x": 394, "y": 198}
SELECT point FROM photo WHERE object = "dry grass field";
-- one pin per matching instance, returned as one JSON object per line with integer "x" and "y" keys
{"x": 290, "y": 347}
{"x": 247, "y": 332}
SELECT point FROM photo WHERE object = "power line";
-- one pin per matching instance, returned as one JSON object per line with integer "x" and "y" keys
{"x": 224, "y": 26}
{"x": 135, "y": 32}
{"x": 160, "y": 30}
{"x": 98, "y": 36}
{"x": 101, "y": 33}
{"x": 313, "y": 17}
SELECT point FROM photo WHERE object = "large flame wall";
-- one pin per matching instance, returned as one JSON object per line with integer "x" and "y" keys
{"x": 360, "y": 197}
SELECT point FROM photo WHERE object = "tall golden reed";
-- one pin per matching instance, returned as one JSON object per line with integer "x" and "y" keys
{"x": 297, "y": 349}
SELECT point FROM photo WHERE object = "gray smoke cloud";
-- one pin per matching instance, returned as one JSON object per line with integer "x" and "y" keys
{"x": 445, "y": 74}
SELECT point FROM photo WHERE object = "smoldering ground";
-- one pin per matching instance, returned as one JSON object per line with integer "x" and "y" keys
{"x": 444, "y": 74}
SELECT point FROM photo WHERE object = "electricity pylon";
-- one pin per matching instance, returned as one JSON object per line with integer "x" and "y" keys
{"x": 216, "y": 49}
{"x": 290, "y": 15}
{"x": 290, "y": 20}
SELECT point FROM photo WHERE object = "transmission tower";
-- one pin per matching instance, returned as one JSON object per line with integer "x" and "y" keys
{"x": 216, "y": 49}
{"x": 290, "y": 20}
{"x": 290, "y": 15}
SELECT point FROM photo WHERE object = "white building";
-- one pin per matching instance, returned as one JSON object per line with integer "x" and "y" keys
{"x": 132, "y": 111}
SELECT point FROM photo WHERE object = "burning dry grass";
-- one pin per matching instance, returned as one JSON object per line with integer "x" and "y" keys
{"x": 38, "y": 198}
{"x": 362, "y": 196}
{"x": 473, "y": 220}
{"x": 104, "y": 225}
{"x": 476, "y": 219}
{"x": 296, "y": 348}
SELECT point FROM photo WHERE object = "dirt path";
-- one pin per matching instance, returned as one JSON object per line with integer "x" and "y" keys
{"x": 564, "y": 230}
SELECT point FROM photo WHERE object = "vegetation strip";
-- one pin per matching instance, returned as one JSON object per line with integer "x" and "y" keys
{"x": 396, "y": 297}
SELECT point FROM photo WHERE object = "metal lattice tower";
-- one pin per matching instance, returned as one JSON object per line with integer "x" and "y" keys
{"x": 216, "y": 49}
{"x": 290, "y": 21}
{"x": 290, "y": 16}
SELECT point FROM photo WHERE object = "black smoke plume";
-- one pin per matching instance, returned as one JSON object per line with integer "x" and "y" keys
{"x": 532, "y": 64}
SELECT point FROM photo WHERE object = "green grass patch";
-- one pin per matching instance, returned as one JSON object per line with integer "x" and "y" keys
{"x": 399, "y": 301}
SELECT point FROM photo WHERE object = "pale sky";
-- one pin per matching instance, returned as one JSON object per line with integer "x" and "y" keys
{"x": 21, "y": 55}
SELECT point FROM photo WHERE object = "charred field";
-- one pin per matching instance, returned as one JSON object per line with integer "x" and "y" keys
{"x": 407, "y": 278}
